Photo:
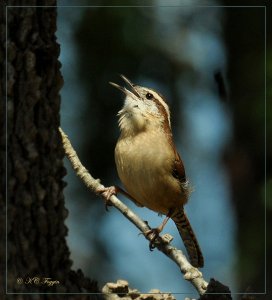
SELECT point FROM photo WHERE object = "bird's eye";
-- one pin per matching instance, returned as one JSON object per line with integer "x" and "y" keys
{"x": 149, "y": 96}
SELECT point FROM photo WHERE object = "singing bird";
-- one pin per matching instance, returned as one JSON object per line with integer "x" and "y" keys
{"x": 148, "y": 163}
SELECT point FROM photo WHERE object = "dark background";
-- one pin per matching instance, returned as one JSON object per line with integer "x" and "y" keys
{"x": 183, "y": 53}
{"x": 211, "y": 61}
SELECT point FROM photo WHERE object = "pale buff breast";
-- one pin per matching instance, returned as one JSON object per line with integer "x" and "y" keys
{"x": 143, "y": 164}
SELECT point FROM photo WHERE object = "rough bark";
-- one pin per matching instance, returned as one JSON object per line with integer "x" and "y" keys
{"x": 36, "y": 232}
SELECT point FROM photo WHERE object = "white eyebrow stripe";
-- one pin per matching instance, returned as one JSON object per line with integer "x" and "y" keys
{"x": 162, "y": 102}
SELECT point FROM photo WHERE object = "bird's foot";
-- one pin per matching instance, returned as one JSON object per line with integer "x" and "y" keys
{"x": 107, "y": 192}
{"x": 153, "y": 234}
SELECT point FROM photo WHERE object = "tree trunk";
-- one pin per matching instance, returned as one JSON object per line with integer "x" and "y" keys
{"x": 246, "y": 160}
{"x": 36, "y": 245}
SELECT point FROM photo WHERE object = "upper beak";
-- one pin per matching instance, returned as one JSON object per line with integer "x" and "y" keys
{"x": 123, "y": 89}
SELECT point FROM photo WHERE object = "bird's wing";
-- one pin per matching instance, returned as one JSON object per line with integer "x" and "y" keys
{"x": 178, "y": 169}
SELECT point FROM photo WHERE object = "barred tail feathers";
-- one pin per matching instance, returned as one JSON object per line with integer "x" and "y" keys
{"x": 189, "y": 239}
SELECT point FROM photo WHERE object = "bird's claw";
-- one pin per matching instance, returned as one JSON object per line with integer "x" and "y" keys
{"x": 107, "y": 192}
{"x": 154, "y": 232}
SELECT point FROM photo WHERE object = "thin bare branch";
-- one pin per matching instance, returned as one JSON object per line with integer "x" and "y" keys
{"x": 191, "y": 273}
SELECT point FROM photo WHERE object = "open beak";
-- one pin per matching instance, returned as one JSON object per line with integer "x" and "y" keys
{"x": 133, "y": 90}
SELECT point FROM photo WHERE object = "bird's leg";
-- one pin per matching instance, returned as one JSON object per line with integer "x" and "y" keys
{"x": 154, "y": 232}
{"x": 107, "y": 192}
